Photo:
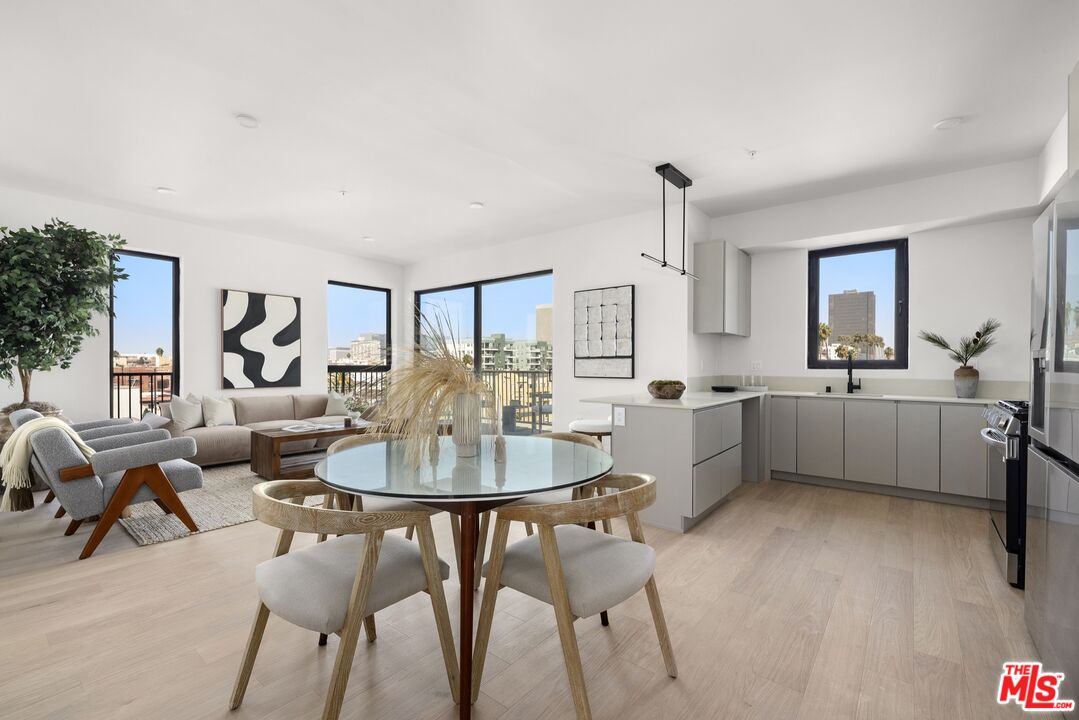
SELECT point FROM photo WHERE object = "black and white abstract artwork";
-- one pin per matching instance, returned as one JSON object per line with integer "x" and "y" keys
{"x": 260, "y": 340}
{"x": 603, "y": 332}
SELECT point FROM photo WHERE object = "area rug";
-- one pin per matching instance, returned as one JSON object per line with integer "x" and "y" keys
{"x": 223, "y": 500}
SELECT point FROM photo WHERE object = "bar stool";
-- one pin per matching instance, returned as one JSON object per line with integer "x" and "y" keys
{"x": 598, "y": 429}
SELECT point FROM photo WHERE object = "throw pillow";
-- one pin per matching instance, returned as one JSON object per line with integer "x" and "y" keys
{"x": 186, "y": 412}
{"x": 155, "y": 421}
{"x": 335, "y": 405}
{"x": 218, "y": 411}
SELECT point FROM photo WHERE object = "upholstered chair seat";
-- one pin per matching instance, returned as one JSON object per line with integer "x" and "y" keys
{"x": 601, "y": 570}
{"x": 312, "y": 587}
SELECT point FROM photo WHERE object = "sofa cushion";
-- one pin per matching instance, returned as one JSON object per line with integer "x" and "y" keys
{"x": 262, "y": 408}
{"x": 222, "y": 444}
{"x": 186, "y": 412}
{"x": 308, "y": 405}
{"x": 312, "y": 587}
{"x": 335, "y": 404}
{"x": 218, "y": 411}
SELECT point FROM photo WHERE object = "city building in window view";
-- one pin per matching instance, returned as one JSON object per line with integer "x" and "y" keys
{"x": 853, "y": 315}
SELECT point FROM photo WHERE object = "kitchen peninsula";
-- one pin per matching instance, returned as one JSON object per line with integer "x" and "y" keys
{"x": 700, "y": 448}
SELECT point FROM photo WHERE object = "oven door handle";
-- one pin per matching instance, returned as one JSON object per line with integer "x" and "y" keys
{"x": 992, "y": 436}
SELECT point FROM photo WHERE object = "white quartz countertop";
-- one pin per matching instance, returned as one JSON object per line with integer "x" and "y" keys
{"x": 703, "y": 400}
{"x": 688, "y": 401}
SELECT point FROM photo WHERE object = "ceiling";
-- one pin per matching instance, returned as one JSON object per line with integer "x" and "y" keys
{"x": 551, "y": 113}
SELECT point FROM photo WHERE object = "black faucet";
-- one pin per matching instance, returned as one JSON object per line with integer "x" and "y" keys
{"x": 851, "y": 385}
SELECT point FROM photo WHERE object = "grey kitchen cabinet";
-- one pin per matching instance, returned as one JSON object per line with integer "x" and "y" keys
{"x": 714, "y": 478}
{"x": 715, "y": 430}
{"x": 869, "y": 441}
{"x": 963, "y": 453}
{"x": 784, "y": 433}
{"x": 820, "y": 437}
{"x": 721, "y": 296}
{"x": 918, "y": 443}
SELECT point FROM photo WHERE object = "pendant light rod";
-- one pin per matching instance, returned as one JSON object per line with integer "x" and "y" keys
{"x": 676, "y": 177}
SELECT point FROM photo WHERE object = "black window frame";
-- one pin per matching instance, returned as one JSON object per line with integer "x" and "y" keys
{"x": 384, "y": 367}
{"x": 902, "y": 306}
{"x": 477, "y": 305}
{"x": 175, "y": 389}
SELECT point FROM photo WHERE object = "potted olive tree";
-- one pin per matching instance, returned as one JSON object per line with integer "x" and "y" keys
{"x": 55, "y": 281}
{"x": 966, "y": 377}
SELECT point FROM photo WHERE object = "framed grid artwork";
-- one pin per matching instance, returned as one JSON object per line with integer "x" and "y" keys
{"x": 603, "y": 332}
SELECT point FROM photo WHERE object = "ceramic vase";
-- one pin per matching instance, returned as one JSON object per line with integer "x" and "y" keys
{"x": 466, "y": 424}
{"x": 966, "y": 382}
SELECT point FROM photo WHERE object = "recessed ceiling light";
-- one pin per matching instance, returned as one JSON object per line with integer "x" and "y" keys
{"x": 342, "y": 193}
{"x": 247, "y": 121}
{"x": 476, "y": 205}
{"x": 165, "y": 190}
{"x": 368, "y": 238}
{"x": 948, "y": 123}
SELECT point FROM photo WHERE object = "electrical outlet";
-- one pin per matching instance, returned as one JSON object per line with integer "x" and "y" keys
{"x": 755, "y": 366}
{"x": 620, "y": 416}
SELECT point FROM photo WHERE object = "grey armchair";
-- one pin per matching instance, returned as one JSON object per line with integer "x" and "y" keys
{"x": 125, "y": 469}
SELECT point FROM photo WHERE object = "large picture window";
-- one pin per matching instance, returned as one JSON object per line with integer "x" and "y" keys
{"x": 359, "y": 344}
{"x": 858, "y": 306}
{"x": 503, "y": 329}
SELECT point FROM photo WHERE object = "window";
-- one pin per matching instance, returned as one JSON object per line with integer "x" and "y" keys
{"x": 858, "y": 306}
{"x": 357, "y": 326}
{"x": 144, "y": 334}
{"x": 512, "y": 319}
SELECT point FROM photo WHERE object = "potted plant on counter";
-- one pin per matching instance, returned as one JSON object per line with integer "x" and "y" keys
{"x": 966, "y": 377}
{"x": 666, "y": 389}
{"x": 56, "y": 282}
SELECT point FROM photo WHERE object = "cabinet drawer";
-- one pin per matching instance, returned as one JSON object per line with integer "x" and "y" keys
{"x": 820, "y": 437}
{"x": 714, "y": 478}
{"x": 784, "y": 433}
{"x": 919, "y": 446}
{"x": 963, "y": 454}
{"x": 869, "y": 442}
{"x": 716, "y": 430}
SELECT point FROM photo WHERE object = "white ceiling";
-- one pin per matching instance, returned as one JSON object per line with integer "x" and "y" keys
{"x": 552, "y": 113}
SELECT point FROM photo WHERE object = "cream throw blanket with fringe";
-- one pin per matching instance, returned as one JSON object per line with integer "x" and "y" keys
{"x": 16, "y": 453}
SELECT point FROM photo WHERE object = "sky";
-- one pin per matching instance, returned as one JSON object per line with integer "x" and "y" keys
{"x": 143, "y": 306}
{"x": 508, "y": 307}
{"x": 863, "y": 272}
{"x": 352, "y": 312}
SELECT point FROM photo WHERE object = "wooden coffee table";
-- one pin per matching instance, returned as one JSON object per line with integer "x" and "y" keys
{"x": 266, "y": 459}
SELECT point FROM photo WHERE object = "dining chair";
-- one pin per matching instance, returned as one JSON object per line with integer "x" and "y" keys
{"x": 578, "y": 571}
{"x": 546, "y": 498}
{"x": 338, "y": 585}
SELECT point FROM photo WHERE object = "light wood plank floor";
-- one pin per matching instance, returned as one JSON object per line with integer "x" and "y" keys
{"x": 789, "y": 601}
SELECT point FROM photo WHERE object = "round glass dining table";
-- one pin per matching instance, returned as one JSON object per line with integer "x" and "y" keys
{"x": 466, "y": 486}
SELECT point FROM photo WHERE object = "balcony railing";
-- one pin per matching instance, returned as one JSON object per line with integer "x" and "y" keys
{"x": 136, "y": 393}
{"x": 525, "y": 395}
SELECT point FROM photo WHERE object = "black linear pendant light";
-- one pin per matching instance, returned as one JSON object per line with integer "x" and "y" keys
{"x": 676, "y": 177}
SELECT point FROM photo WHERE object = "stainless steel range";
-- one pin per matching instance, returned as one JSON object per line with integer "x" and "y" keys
{"x": 1007, "y": 434}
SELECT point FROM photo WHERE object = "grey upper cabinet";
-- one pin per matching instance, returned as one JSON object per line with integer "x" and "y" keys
{"x": 784, "y": 433}
{"x": 963, "y": 453}
{"x": 869, "y": 446}
{"x": 919, "y": 446}
{"x": 820, "y": 437}
{"x": 721, "y": 296}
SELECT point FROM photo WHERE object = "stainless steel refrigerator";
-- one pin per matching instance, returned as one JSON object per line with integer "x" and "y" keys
{"x": 1052, "y": 526}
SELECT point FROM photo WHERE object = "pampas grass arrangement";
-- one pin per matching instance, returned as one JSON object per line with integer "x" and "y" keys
{"x": 420, "y": 395}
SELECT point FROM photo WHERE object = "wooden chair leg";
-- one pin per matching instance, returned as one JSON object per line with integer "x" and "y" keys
{"x": 49, "y": 497}
{"x": 72, "y": 527}
{"x": 322, "y": 638}
{"x": 564, "y": 616}
{"x": 346, "y": 650}
{"x": 163, "y": 506}
{"x": 327, "y": 503}
{"x": 60, "y": 512}
{"x": 529, "y": 530}
{"x": 455, "y": 529}
{"x": 369, "y": 628}
{"x": 151, "y": 476}
{"x": 435, "y": 589}
{"x": 409, "y": 532}
{"x": 254, "y": 640}
{"x": 481, "y": 547}
{"x": 607, "y": 527}
{"x": 490, "y": 597}
{"x": 660, "y": 622}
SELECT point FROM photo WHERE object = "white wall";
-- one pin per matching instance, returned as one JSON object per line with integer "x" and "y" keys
{"x": 590, "y": 256}
{"x": 958, "y": 277}
{"x": 210, "y": 260}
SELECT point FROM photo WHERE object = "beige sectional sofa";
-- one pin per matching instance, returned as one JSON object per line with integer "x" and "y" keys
{"x": 232, "y": 443}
